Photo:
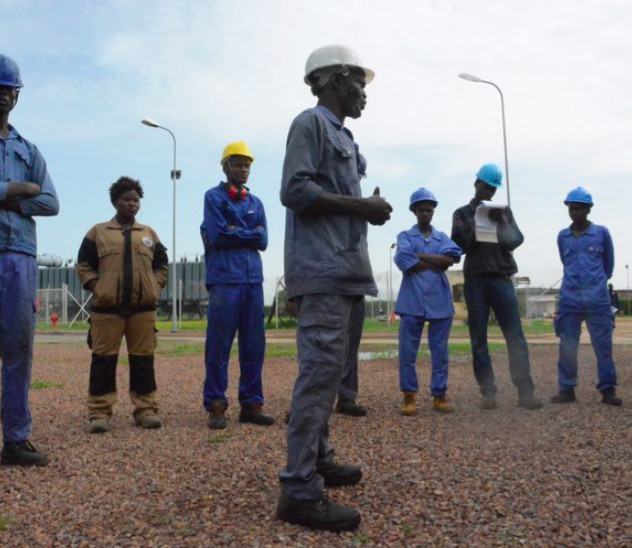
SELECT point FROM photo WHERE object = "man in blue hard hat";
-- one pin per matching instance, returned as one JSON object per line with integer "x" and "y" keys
{"x": 587, "y": 253}
{"x": 487, "y": 271}
{"x": 26, "y": 190}
{"x": 423, "y": 255}
{"x": 327, "y": 273}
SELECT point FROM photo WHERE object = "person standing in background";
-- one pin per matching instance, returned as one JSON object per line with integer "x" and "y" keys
{"x": 487, "y": 271}
{"x": 125, "y": 266}
{"x": 587, "y": 253}
{"x": 26, "y": 191}
{"x": 423, "y": 255}
{"x": 234, "y": 232}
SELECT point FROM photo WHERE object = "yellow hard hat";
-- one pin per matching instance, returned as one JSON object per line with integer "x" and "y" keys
{"x": 237, "y": 149}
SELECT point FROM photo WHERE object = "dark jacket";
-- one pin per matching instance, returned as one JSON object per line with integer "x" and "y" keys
{"x": 483, "y": 257}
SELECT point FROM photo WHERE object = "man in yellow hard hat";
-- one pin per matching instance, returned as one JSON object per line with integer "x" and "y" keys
{"x": 234, "y": 231}
{"x": 327, "y": 273}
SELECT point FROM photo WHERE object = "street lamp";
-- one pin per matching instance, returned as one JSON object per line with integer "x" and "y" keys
{"x": 390, "y": 282}
{"x": 472, "y": 78}
{"x": 175, "y": 175}
{"x": 627, "y": 288}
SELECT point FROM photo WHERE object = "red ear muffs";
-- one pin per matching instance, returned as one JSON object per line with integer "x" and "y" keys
{"x": 235, "y": 194}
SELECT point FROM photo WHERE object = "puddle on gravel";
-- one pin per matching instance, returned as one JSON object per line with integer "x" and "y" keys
{"x": 366, "y": 356}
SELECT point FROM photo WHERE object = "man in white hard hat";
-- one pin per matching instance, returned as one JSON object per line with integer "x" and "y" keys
{"x": 26, "y": 190}
{"x": 327, "y": 273}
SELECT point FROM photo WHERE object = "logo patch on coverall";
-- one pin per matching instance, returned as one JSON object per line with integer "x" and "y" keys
{"x": 148, "y": 241}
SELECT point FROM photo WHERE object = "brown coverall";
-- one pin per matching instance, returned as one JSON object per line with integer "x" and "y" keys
{"x": 130, "y": 266}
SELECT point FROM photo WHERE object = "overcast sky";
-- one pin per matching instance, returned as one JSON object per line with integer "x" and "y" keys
{"x": 219, "y": 71}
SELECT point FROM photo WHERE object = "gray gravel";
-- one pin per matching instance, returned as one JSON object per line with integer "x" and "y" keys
{"x": 559, "y": 477}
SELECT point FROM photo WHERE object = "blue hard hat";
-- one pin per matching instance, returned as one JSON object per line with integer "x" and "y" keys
{"x": 579, "y": 195}
{"x": 421, "y": 195}
{"x": 9, "y": 72}
{"x": 491, "y": 174}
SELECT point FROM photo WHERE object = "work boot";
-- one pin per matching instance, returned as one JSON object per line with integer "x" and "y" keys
{"x": 251, "y": 412}
{"x": 99, "y": 426}
{"x": 489, "y": 402}
{"x": 443, "y": 404}
{"x": 317, "y": 514}
{"x": 351, "y": 408}
{"x": 529, "y": 401}
{"x": 410, "y": 404}
{"x": 564, "y": 396}
{"x": 609, "y": 397}
{"x": 217, "y": 415}
{"x": 337, "y": 475}
{"x": 149, "y": 421}
{"x": 22, "y": 453}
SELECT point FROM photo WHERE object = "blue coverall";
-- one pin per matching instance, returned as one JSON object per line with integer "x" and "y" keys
{"x": 424, "y": 296}
{"x": 234, "y": 280}
{"x": 327, "y": 272}
{"x": 20, "y": 161}
{"x": 588, "y": 262}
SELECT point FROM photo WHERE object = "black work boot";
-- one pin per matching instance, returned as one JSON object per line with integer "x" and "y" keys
{"x": 351, "y": 408}
{"x": 564, "y": 396}
{"x": 317, "y": 514}
{"x": 22, "y": 453}
{"x": 529, "y": 401}
{"x": 251, "y": 412}
{"x": 337, "y": 475}
{"x": 217, "y": 415}
{"x": 609, "y": 397}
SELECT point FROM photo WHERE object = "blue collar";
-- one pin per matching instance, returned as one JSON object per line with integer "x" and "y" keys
{"x": 13, "y": 133}
{"x": 591, "y": 231}
{"x": 330, "y": 116}
{"x": 434, "y": 235}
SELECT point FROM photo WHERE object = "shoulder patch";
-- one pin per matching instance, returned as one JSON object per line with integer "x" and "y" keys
{"x": 148, "y": 241}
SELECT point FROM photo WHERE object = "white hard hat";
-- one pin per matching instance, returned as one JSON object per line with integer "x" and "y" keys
{"x": 334, "y": 55}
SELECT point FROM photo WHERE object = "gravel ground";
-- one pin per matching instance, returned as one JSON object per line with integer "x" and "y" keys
{"x": 559, "y": 477}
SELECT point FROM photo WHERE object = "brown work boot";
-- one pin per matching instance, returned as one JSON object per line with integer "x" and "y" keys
{"x": 251, "y": 412}
{"x": 443, "y": 404}
{"x": 217, "y": 415}
{"x": 410, "y": 404}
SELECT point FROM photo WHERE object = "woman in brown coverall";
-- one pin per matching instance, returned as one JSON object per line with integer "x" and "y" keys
{"x": 124, "y": 265}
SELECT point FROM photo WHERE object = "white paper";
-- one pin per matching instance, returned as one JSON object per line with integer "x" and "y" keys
{"x": 486, "y": 229}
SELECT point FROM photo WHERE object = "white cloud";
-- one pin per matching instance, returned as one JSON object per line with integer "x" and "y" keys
{"x": 225, "y": 70}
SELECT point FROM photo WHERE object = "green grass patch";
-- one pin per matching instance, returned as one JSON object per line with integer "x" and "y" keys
{"x": 179, "y": 350}
{"x": 45, "y": 384}
{"x": 219, "y": 438}
{"x": 5, "y": 522}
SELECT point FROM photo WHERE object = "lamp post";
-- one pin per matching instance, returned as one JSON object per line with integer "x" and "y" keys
{"x": 472, "y": 78}
{"x": 390, "y": 282}
{"x": 627, "y": 287}
{"x": 175, "y": 175}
